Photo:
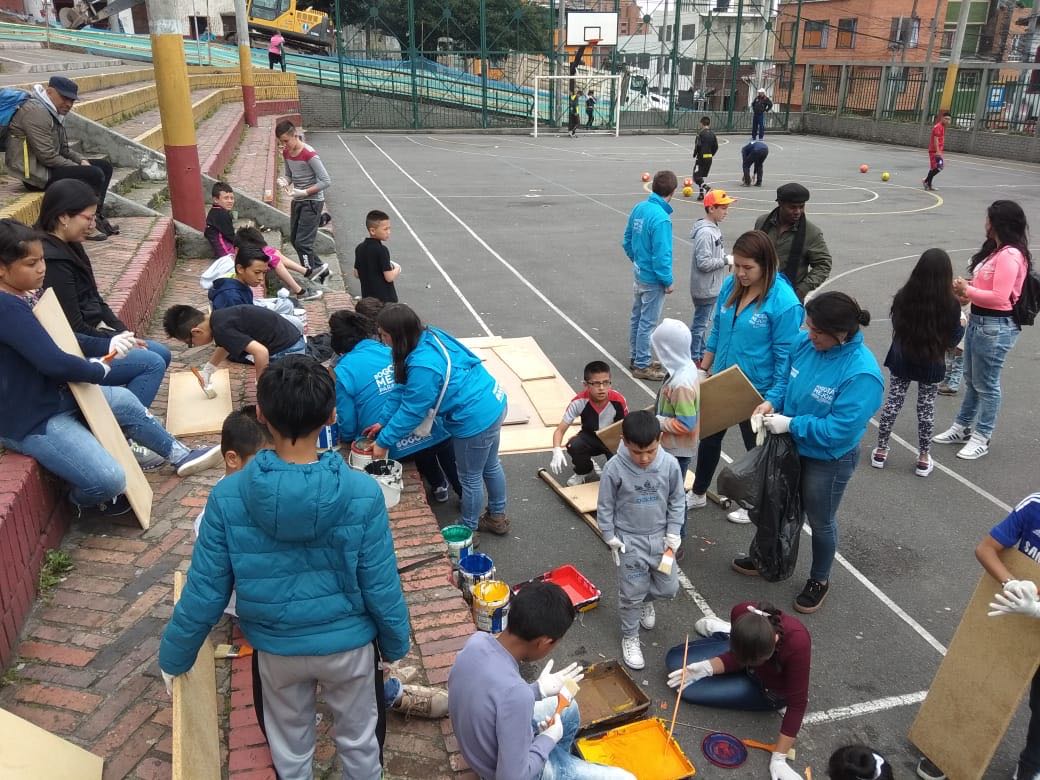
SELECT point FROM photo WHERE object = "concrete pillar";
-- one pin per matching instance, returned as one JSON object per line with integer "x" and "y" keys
{"x": 171, "y": 83}
{"x": 245, "y": 62}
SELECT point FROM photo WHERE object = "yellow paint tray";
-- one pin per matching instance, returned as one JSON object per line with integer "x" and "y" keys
{"x": 643, "y": 748}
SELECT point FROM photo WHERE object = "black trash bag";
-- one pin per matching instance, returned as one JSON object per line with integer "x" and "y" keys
{"x": 319, "y": 347}
{"x": 766, "y": 482}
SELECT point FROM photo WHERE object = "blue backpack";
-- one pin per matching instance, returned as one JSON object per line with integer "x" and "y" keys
{"x": 10, "y": 101}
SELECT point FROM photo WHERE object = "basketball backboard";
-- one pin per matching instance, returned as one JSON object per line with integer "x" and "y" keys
{"x": 586, "y": 26}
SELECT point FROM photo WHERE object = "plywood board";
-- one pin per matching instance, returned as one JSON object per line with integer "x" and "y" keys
{"x": 30, "y": 753}
{"x": 550, "y": 398}
{"x": 189, "y": 411}
{"x": 481, "y": 342}
{"x": 525, "y": 358}
{"x": 519, "y": 409}
{"x": 196, "y": 735}
{"x": 987, "y": 669}
{"x": 532, "y": 437}
{"x": 96, "y": 411}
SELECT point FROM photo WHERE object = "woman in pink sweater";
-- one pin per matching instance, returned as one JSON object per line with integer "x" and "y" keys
{"x": 997, "y": 271}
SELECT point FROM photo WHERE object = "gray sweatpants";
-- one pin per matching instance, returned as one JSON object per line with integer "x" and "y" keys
{"x": 348, "y": 686}
{"x": 639, "y": 580}
{"x": 304, "y": 219}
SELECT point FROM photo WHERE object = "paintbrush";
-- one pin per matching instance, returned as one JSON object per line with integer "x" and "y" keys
{"x": 808, "y": 773}
{"x": 207, "y": 389}
{"x": 566, "y": 695}
{"x": 667, "y": 561}
{"x": 682, "y": 681}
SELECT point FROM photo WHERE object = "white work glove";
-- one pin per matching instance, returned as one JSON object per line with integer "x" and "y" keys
{"x": 698, "y": 670}
{"x": 1016, "y": 601}
{"x": 616, "y": 548}
{"x": 559, "y": 460}
{"x": 208, "y": 371}
{"x": 701, "y": 375}
{"x": 780, "y": 770}
{"x": 298, "y": 193}
{"x": 759, "y": 427}
{"x": 552, "y": 728}
{"x": 122, "y": 343}
{"x": 103, "y": 364}
{"x": 729, "y": 260}
{"x": 550, "y": 683}
{"x": 168, "y": 679}
{"x": 282, "y": 182}
{"x": 777, "y": 423}
{"x": 673, "y": 542}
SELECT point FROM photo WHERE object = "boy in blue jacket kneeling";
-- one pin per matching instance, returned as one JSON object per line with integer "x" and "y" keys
{"x": 305, "y": 542}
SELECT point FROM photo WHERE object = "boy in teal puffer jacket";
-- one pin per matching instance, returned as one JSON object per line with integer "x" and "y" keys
{"x": 306, "y": 543}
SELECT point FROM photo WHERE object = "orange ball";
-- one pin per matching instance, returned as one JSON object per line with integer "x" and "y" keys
{"x": 864, "y": 168}
{"x": 687, "y": 182}
{"x": 646, "y": 176}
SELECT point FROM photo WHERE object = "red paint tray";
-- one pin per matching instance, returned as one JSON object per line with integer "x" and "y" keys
{"x": 583, "y": 594}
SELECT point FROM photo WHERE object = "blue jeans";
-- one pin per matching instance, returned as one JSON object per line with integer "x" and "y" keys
{"x": 986, "y": 345}
{"x": 758, "y": 126}
{"x": 66, "y": 447}
{"x": 299, "y": 348}
{"x": 477, "y": 460}
{"x": 954, "y": 370}
{"x": 141, "y": 371}
{"x": 647, "y": 303}
{"x": 823, "y": 485}
{"x": 561, "y": 765}
{"x": 702, "y": 310}
{"x": 733, "y": 691}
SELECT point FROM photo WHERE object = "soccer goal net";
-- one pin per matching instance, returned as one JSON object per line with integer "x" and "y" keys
{"x": 596, "y": 100}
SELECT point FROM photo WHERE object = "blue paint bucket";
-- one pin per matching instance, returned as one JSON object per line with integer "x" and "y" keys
{"x": 474, "y": 568}
{"x": 328, "y": 437}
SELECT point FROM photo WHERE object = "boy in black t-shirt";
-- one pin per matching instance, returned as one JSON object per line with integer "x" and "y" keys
{"x": 237, "y": 331}
{"x": 220, "y": 226}
{"x": 372, "y": 263}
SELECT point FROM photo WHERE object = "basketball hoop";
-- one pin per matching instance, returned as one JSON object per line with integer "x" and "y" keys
{"x": 592, "y": 42}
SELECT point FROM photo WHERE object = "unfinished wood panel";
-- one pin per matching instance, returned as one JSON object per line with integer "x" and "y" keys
{"x": 525, "y": 358}
{"x": 986, "y": 671}
{"x": 519, "y": 410}
{"x": 96, "y": 411}
{"x": 550, "y": 398}
{"x": 31, "y": 753}
{"x": 189, "y": 411}
{"x": 531, "y": 437}
{"x": 196, "y": 734}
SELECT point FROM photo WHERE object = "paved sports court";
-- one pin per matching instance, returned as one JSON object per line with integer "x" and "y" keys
{"x": 513, "y": 236}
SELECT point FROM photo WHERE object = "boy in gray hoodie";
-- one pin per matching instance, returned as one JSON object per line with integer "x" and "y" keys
{"x": 640, "y": 513}
{"x": 709, "y": 268}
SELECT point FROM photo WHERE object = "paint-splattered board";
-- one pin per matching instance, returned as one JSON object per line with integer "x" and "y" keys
{"x": 189, "y": 411}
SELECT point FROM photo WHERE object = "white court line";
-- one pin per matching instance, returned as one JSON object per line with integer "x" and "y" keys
{"x": 693, "y": 593}
{"x": 419, "y": 241}
{"x": 896, "y": 609}
{"x": 863, "y": 708}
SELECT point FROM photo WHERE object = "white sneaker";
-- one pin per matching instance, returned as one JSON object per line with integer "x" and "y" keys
{"x": 739, "y": 516}
{"x": 577, "y": 479}
{"x": 976, "y": 447}
{"x": 631, "y": 652}
{"x": 955, "y": 434}
{"x": 693, "y": 501}
{"x": 648, "y": 616}
{"x": 708, "y": 626}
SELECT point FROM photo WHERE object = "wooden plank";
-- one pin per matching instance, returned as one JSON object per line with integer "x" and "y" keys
{"x": 189, "y": 411}
{"x": 588, "y": 517}
{"x": 481, "y": 342}
{"x": 519, "y": 409}
{"x": 196, "y": 734}
{"x": 550, "y": 398}
{"x": 96, "y": 411}
{"x": 987, "y": 669}
{"x": 28, "y": 752}
{"x": 525, "y": 438}
{"x": 525, "y": 358}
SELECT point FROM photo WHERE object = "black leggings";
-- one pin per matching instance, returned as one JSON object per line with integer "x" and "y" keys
{"x": 98, "y": 174}
{"x": 710, "y": 450}
{"x": 272, "y": 58}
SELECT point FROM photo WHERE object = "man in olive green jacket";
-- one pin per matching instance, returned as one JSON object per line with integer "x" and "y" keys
{"x": 804, "y": 257}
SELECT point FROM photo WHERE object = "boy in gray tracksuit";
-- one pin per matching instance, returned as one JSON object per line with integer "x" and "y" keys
{"x": 641, "y": 509}
{"x": 709, "y": 268}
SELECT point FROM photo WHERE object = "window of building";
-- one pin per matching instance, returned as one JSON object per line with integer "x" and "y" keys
{"x": 904, "y": 32}
{"x": 644, "y": 61}
{"x": 689, "y": 32}
{"x": 685, "y": 66}
{"x": 668, "y": 33}
{"x": 787, "y": 34}
{"x": 815, "y": 35}
{"x": 721, "y": 6}
{"x": 846, "y": 34}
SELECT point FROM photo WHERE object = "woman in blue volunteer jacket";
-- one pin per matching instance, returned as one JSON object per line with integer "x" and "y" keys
{"x": 834, "y": 387}
{"x": 755, "y": 324}
{"x": 364, "y": 377}
{"x": 467, "y": 399}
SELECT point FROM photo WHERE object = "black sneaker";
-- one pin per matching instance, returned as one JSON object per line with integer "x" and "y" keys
{"x": 324, "y": 219}
{"x": 744, "y": 565}
{"x": 311, "y": 295}
{"x": 812, "y": 596}
{"x": 114, "y": 508}
{"x": 107, "y": 227}
{"x": 926, "y": 770}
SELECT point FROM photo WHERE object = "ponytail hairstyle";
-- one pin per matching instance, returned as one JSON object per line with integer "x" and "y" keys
{"x": 1008, "y": 224}
{"x": 348, "y": 328}
{"x": 756, "y": 634}
{"x": 404, "y": 328}
{"x": 858, "y": 762}
{"x": 836, "y": 312}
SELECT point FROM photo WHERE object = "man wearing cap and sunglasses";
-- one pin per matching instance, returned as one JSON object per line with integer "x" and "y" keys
{"x": 804, "y": 257}
{"x": 38, "y": 147}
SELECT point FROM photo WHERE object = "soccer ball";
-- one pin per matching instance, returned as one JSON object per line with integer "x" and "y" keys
{"x": 646, "y": 176}
{"x": 687, "y": 192}
{"x": 885, "y": 176}
{"x": 687, "y": 182}
{"x": 864, "y": 168}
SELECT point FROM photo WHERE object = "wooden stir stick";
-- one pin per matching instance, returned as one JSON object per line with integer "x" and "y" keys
{"x": 678, "y": 693}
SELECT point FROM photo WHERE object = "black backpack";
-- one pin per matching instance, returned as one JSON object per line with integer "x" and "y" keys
{"x": 1027, "y": 306}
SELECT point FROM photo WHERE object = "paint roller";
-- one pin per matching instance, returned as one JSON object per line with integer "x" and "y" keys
{"x": 207, "y": 389}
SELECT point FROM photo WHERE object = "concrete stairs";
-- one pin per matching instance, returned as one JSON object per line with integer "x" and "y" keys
{"x": 19, "y": 57}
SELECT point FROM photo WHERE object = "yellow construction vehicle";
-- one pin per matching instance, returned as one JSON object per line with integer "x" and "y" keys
{"x": 303, "y": 28}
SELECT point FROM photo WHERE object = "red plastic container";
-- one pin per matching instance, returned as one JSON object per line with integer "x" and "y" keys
{"x": 583, "y": 594}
